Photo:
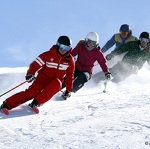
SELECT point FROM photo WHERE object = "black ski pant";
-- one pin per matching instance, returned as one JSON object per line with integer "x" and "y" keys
{"x": 79, "y": 80}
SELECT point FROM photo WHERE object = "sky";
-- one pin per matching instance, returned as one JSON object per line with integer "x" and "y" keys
{"x": 89, "y": 119}
{"x": 30, "y": 27}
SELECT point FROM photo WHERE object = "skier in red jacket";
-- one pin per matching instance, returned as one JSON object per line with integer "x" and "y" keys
{"x": 87, "y": 52}
{"x": 51, "y": 66}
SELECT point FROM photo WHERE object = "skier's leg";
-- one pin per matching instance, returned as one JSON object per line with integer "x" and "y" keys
{"x": 48, "y": 92}
{"x": 64, "y": 83}
{"x": 24, "y": 96}
{"x": 82, "y": 78}
{"x": 120, "y": 71}
{"x": 76, "y": 73}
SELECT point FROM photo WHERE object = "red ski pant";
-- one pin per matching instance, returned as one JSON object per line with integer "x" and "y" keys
{"x": 42, "y": 90}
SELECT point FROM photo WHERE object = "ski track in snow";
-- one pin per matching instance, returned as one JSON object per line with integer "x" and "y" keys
{"x": 89, "y": 119}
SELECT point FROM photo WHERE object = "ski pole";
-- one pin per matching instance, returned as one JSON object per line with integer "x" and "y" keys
{"x": 105, "y": 86}
{"x": 13, "y": 88}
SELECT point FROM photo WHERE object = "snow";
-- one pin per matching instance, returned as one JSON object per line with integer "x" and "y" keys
{"x": 89, "y": 119}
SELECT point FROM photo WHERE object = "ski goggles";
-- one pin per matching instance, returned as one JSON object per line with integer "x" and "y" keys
{"x": 145, "y": 40}
{"x": 64, "y": 47}
{"x": 124, "y": 33}
{"x": 88, "y": 41}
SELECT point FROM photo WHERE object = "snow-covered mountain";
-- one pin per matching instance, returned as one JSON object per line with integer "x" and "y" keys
{"x": 89, "y": 119}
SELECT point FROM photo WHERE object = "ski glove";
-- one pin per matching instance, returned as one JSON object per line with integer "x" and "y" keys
{"x": 66, "y": 94}
{"x": 29, "y": 78}
{"x": 108, "y": 76}
{"x": 109, "y": 57}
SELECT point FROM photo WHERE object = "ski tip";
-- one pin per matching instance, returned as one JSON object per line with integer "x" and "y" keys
{"x": 36, "y": 110}
{"x": 5, "y": 111}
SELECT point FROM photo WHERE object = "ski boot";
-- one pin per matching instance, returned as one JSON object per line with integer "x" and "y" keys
{"x": 34, "y": 106}
{"x": 66, "y": 95}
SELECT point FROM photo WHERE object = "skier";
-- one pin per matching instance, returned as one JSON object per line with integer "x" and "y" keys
{"x": 136, "y": 54}
{"x": 51, "y": 66}
{"x": 87, "y": 52}
{"x": 118, "y": 39}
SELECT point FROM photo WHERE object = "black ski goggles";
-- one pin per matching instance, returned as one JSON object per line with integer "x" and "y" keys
{"x": 88, "y": 41}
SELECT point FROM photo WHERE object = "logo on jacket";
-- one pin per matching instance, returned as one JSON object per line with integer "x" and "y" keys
{"x": 52, "y": 59}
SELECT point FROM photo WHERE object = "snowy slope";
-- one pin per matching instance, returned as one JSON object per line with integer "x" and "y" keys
{"x": 90, "y": 119}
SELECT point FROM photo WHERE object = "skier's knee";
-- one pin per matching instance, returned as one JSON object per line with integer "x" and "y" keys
{"x": 88, "y": 76}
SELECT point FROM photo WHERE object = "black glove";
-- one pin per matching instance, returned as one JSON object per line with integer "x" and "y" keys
{"x": 29, "y": 78}
{"x": 109, "y": 57}
{"x": 66, "y": 94}
{"x": 108, "y": 76}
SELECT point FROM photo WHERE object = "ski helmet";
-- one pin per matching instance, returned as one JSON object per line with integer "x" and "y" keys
{"x": 64, "y": 43}
{"x": 93, "y": 36}
{"x": 124, "y": 28}
{"x": 64, "y": 40}
{"x": 145, "y": 35}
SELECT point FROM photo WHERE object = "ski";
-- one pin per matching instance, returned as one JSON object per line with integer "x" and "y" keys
{"x": 5, "y": 111}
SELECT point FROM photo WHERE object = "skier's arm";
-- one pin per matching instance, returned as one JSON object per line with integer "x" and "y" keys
{"x": 75, "y": 51}
{"x": 123, "y": 48}
{"x": 70, "y": 76}
{"x": 102, "y": 62}
{"x": 36, "y": 64}
{"x": 109, "y": 44}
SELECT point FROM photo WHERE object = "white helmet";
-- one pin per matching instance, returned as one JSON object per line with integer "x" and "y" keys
{"x": 93, "y": 36}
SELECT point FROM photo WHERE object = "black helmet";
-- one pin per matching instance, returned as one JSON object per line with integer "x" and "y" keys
{"x": 124, "y": 28}
{"x": 145, "y": 35}
{"x": 64, "y": 40}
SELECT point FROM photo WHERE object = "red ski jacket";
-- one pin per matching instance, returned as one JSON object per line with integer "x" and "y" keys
{"x": 86, "y": 59}
{"x": 54, "y": 65}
